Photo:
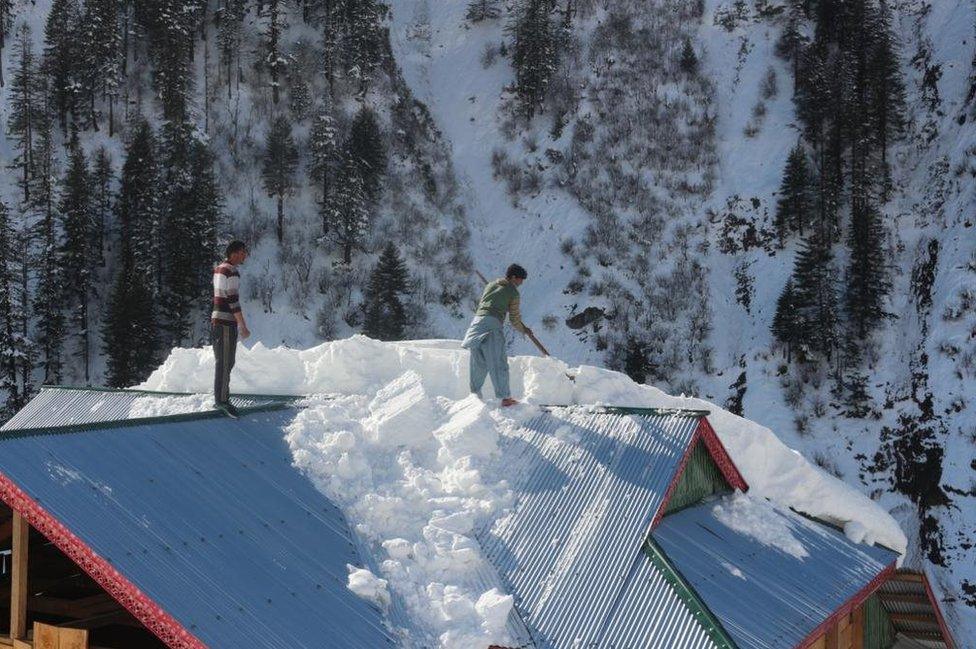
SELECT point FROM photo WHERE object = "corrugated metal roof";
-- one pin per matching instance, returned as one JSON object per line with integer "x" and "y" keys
{"x": 588, "y": 486}
{"x": 66, "y": 406}
{"x": 765, "y": 597}
{"x": 210, "y": 520}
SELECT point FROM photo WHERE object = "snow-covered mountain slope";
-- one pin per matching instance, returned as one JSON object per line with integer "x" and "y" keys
{"x": 389, "y": 432}
{"x": 442, "y": 58}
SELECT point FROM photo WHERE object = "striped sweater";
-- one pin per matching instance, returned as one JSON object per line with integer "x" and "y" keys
{"x": 226, "y": 301}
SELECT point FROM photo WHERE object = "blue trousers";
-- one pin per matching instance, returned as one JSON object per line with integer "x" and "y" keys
{"x": 485, "y": 339}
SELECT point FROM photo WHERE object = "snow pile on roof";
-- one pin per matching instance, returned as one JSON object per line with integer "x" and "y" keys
{"x": 404, "y": 450}
{"x": 757, "y": 518}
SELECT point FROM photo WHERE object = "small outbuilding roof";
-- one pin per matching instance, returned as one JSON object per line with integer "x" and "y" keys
{"x": 777, "y": 589}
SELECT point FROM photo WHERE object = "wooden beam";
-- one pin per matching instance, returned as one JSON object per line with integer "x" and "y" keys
{"x": 6, "y": 530}
{"x": 857, "y": 628}
{"x": 121, "y": 617}
{"x": 18, "y": 579}
{"x": 924, "y": 618}
{"x": 905, "y": 598}
{"x": 832, "y": 638}
{"x": 915, "y": 577}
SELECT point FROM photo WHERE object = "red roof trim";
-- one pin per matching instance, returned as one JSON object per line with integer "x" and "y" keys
{"x": 706, "y": 434}
{"x": 105, "y": 575}
{"x": 938, "y": 613}
{"x": 848, "y": 606}
{"x": 721, "y": 456}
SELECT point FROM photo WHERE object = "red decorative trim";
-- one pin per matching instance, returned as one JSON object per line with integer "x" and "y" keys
{"x": 721, "y": 456}
{"x": 663, "y": 507}
{"x": 115, "y": 584}
{"x": 848, "y": 606}
{"x": 946, "y": 636}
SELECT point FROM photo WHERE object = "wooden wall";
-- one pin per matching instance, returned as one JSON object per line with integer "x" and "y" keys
{"x": 846, "y": 633}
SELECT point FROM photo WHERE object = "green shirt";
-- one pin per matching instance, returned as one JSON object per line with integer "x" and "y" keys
{"x": 499, "y": 298}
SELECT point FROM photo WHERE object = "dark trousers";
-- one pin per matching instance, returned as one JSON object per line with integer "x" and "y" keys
{"x": 223, "y": 336}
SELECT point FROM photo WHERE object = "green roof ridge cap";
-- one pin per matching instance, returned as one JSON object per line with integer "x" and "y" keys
{"x": 686, "y": 593}
{"x": 163, "y": 393}
{"x": 18, "y": 433}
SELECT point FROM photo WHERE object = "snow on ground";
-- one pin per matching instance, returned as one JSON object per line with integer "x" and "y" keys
{"x": 389, "y": 432}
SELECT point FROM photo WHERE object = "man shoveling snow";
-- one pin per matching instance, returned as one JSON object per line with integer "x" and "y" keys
{"x": 485, "y": 338}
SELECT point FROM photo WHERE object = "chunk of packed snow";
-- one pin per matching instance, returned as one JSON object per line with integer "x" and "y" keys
{"x": 368, "y": 586}
{"x": 758, "y": 519}
{"x": 159, "y": 406}
{"x": 390, "y": 433}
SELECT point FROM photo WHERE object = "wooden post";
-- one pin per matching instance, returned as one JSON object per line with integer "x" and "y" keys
{"x": 18, "y": 579}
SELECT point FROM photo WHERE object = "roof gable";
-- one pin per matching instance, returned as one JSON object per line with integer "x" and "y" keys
{"x": 590, "y": 485}
{"x": 201, "y": 527}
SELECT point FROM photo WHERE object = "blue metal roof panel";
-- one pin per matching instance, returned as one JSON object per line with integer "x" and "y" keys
{"x": 765, "y": 597}
{"x": 59, "y": 406}
{"x": 209, "y": 519}
{"x": 587, "y": 486}
{"x": 651, "y": 615}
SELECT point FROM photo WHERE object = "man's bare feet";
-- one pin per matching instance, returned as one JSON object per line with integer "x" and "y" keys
{"x": 508, "y": 402}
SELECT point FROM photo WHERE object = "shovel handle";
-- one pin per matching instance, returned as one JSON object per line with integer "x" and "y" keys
{"x": 535, "y": 340}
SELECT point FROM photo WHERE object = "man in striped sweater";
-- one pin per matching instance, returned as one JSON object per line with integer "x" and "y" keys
{"x": 227, "y": 322}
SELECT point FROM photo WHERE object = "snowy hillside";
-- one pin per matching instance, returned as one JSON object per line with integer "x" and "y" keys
{"x": 390, "y": 433}
{"x": 640, "y": 186}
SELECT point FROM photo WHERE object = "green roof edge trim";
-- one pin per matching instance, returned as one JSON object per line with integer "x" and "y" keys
{"x": 687, "y": 594}
{"x": 162, "y": 393}
{"x": 18, "y": 433}
{"x": 629, "y": 410}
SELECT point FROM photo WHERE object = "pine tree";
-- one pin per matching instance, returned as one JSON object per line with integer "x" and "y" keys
{"x": 129, "y": 332}
{"x": 689, "y": 60}
{"x": 6, "y": 20}
{"x": 792, "y": 41}
{"x": 786, "y": 324}
{"x": 102, "y": 64}
{"x": 384, "y": 314}
{"x": 8, "y": 328}
{"x": 274, "y": 60}
{"x": 24, "y": 104}
{"x": 280, "y": 163}
{"x": 63, "y": 57}
{"x": 324, "y": 155}
{"x": 25, "y": 348}
{"x": 75, "y": 208}
{"x": 534, "y": 54}
{"x": 138, "y": 206}
{"x": 102, "y": 174}
{"x": 190, "y": 214}
{"x": 479, "y": 10}
{"x": 362, "y": 42}
{"x": 887, "y": 89}
{"x": 365, "y": 149}
{"x": 170, "y": 26}
{"x": 46, "y": 266}
{"x": 793, "y": 208}
{"x": 349, "y": 214}
{"x": 815, "y": 293}
{"x": 230, "y": 27}
{"x": 867, "y": 283}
